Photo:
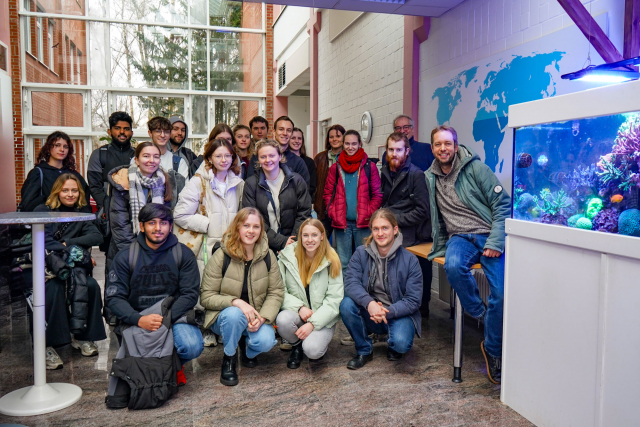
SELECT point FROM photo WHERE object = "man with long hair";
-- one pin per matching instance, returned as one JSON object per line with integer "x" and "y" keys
{"x": 383, "y": 291}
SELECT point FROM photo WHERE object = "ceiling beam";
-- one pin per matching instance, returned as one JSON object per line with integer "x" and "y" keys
{"x": 631, "y": 29}
{"x": 591, "y": 30}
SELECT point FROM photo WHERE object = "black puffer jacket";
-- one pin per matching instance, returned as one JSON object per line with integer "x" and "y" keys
{"x": 294, "y": 163}
{"x": 81, "y": 233}
{"x": 37, "y": 188}
{"x": 408, "y": 198}
{"x": 295, "y": 204}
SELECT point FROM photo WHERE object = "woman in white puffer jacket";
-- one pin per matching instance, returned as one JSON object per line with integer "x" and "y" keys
{"x": 223, "y": 195}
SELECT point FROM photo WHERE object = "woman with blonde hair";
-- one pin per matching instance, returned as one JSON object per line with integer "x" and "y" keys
{"x": 84, "y": 319}
{"x": 242, "y": 292}
{"x": 312, "y": 275}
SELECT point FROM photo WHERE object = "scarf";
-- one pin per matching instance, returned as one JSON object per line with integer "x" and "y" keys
{"x": 350, "y": 164}
{"x": 137, "y": 184}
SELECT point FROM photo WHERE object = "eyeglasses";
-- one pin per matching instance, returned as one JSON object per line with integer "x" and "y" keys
{"x": 221, "y": 156}
{"x": 405, "y": 127}
{"x": 162, "y": 132}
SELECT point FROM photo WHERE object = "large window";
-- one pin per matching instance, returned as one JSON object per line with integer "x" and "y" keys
{"x": 200, "y": 59}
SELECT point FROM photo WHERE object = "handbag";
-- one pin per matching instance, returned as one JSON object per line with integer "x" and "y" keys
{"x": 192, "y": 239}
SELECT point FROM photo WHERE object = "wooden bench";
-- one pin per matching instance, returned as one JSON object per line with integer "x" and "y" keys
{"x": 422, "y": 250}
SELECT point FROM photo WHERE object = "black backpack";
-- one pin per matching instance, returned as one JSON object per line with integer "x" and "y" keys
{"x": 227, "y": 259}
{"x": 134, "y": 252}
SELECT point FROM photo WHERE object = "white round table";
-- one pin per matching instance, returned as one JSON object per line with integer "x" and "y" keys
{"x": 40, "y": 398}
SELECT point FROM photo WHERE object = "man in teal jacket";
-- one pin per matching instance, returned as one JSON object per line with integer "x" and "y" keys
{"x": 468, "y": 209}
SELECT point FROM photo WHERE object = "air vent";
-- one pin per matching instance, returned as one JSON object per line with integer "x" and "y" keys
{"x": 282, "y": 76}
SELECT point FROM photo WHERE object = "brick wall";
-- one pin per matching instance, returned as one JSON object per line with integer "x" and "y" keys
{"x": 268, "y": 73}
{"x": 251, "y": 52}
{"x": 360, "y": 71}
{"x": 14, "y": 28}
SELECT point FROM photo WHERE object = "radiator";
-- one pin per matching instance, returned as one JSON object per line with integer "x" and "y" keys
{"x": 441, "y": 283}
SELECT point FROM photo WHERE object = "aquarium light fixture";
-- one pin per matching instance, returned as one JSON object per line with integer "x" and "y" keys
{"x": 614, "y": 72}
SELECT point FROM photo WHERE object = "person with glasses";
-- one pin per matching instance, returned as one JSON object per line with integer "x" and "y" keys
{"x": 160, "y": 133}
{"x": 421, "y": 154}
{"x": 222, "y": 193}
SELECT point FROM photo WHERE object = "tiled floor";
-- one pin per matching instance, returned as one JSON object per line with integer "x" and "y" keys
{"x": 416, "y": 391}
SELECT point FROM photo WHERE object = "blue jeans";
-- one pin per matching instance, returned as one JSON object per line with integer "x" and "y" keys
{"x": 359, "y": 324}
{"x": 344, "y": 241}
{"x": 188, "y": 341}
{"x": 464, "y": 250}
{"x": 232, "y": 324}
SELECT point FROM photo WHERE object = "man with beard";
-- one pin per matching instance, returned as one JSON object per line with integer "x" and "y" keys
{"x": 468, "y": 209}
{"x": 404, "y": 192}
{"x": 283, "y": 129}
{"x": 421, "y": 153}
{"x": 160, "y": 270}
{"x": 179, "y": 135}
{"x": 117, "y": 153}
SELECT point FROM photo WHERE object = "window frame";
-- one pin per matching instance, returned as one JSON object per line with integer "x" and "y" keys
{"x": 50, "y": 38}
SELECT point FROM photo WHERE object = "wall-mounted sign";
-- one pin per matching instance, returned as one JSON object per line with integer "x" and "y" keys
{"x": 366, "y": 127}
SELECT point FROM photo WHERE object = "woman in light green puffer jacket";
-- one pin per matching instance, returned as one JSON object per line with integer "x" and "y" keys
{"x": 314, "y": 288}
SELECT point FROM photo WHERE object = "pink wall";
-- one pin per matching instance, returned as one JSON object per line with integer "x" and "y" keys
{"x": 416, "y": 31}
{"x": 7, "y": 166}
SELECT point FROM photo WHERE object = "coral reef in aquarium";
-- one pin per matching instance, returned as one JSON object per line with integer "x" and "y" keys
{"x": 606, "y": 221}
{"x": 584, "y": 223}
{"x": 593, "y": 207}
{"x": 582, "y": 174}
{"x": 629, "y": 223}
{"x": 571, "y": 222}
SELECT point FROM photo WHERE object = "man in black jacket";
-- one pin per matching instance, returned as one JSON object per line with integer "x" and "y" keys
{"x": 404, "y": 191}
{"x": 283, "y": 128}
{"x": 420, "y": 151}
{"x": 117, "y": 153}
{"x": 161, "y": 270}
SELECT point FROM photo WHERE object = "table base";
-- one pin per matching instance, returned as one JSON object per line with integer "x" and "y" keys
{"x": 36, "y": 400}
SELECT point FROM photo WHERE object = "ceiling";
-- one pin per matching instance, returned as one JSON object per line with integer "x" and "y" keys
{"x": 398, "y": 7}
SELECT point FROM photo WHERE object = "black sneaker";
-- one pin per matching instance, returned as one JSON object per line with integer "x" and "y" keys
{"x": 244, "y": 360}
{"x": 494, "y": 366}
{"x": 393, "y": 355}
{"x": 359, "y": 361}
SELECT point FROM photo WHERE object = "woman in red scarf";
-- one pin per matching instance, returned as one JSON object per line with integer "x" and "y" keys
{"x": 352, "y": 194}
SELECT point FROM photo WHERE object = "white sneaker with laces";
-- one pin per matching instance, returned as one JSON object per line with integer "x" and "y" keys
{"x": 53, "y": 360}
{"x": 87, "y": 348}
{"x": 209, "y": 339}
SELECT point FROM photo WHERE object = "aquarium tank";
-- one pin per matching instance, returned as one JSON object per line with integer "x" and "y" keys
{"x": 580, "y": 173}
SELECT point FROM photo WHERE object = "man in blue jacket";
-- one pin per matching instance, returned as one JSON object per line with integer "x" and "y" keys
{"x": 468, "y": 209}
{"x": 164, "y": 267}
{"x": 383, "y": 292}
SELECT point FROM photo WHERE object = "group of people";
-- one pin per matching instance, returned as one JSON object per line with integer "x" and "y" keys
{"x": 246, "y": 231}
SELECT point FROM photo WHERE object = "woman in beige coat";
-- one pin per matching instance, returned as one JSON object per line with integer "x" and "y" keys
{"x": 242, "y": 292}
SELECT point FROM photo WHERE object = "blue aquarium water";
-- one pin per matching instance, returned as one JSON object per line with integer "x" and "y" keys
{"x": 581, "y": 173}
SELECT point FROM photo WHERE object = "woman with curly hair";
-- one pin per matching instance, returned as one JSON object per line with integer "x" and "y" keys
{"x": 242, "y": 292}
{"x": 54, "y": 159}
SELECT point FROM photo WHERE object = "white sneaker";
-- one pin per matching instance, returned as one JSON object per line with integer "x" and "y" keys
{"x": 209, "y": 339}
{"x": 87, "y": 348}
{"x": 53, "y": 360}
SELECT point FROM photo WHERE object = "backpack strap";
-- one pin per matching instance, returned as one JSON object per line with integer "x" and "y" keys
{"x": 41, "y": 179}
{"x": 176, "y": 251}
{"x": 267, "y": 261}
{"x": 367, "y": 171}
{"x": 102, "y": 153}
{"x": 176, "y": 162}
{"x": 333, "y": 194}
{"x": 134, "y": 251}
{"x": 226, "y": 260}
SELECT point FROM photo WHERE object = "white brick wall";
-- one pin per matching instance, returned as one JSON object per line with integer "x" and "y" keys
{"x": 477, "y": 29}
{"x": 362, "y": 71}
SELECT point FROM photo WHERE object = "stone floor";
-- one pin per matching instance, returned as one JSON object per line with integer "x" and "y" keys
{"x": 416, "y": 391}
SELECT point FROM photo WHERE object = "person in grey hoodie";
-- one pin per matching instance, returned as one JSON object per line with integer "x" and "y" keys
{"x": 179, "y": 135}
{"x": 383, "y": 292}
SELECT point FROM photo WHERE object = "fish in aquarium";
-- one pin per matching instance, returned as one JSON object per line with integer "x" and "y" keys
{"x": 542, "y": 160}
{"x": 524, "y": 160}
{"x": 616, "y": 198}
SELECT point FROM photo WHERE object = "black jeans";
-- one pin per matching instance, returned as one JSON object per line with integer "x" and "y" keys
{"x": 56, "y": 314}
{"x": 426, "y": 266}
